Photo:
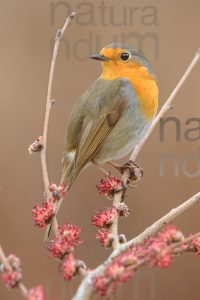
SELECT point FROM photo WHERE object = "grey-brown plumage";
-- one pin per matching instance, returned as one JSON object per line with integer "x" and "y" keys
{"x": 97, "y": 124}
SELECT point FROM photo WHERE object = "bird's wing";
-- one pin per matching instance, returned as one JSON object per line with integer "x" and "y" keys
{"x": 98, "y": 117}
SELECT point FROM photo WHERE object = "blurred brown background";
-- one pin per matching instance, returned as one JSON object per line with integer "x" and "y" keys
{"x": 26, "y": 29}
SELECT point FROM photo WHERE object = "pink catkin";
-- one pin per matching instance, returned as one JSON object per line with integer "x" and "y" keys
{"x": 196, "y": 244}
{"x": 11, "y": 278}
{"x": 68, "y": 237}
{"x": 155, "y": 251}
{"x": 104, "y": 218}
{"x": 108, "y": 186}
{"x": 105, "y": 237}
{"x": 43, "y": 215}
{"x": 36, "y": 293}
{"x": 68, "y": 267}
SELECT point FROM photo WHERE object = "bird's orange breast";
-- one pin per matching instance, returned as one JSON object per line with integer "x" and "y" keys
{"x": 143, "y": 83}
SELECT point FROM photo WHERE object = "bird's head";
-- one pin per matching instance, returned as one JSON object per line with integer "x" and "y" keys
{"x": 120, "y": 60}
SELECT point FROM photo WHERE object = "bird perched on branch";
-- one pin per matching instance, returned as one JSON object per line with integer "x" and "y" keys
{"x": 114, "y": 114}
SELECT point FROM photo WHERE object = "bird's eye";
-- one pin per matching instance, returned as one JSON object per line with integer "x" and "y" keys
{"x": 125, "y": 56}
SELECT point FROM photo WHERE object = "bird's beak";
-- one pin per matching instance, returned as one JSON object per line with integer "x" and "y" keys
{"x": 99, "y": 57}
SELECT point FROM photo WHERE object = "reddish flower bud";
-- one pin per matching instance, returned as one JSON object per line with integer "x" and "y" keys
{"x": 171, "y": 234}
{"x": 109, "y": 186}
{"x": 196, "y": 244}
{"x": 36, "y": 293}
{"x": 11, "y": 278}
{"x": 43, "y": 215}
{"x": 68, "y": 237}
{"x": 105, "y": 237}
{"x": 160, "y": 255}
{"x": 104, "y": 218}
{"x": 68, "y": 267}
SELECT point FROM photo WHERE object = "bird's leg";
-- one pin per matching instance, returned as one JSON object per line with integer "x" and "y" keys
{"x": 136, "y": 171}
{"x": 100, "y": 168}
{"x": 118, "y": 167}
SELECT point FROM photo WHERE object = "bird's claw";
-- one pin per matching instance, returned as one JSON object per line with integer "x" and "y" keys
{"x": 136, "y": 172}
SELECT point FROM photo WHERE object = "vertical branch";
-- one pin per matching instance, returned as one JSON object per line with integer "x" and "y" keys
{"x": 117, "y": 199}
{"x": 43, "y": 156}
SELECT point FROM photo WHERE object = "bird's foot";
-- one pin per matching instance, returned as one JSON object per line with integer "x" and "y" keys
{"x": 135, "y": 170}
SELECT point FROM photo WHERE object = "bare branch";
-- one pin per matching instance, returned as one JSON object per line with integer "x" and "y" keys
{"x": 58, "y": 38}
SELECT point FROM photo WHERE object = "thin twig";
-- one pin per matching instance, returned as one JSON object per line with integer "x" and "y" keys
{"x": 86, "y": 288}
{"x": 6, "y": 264}
{"x": 168, "y": 218}
{"x": 117, "y": 199}
{"x": 186, "y": 241}
{"x": 43, "y": 157}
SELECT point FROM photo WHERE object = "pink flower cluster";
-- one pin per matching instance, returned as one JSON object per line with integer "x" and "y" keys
{"x": 155, "y": 251}
{"x": 68, "y": 237}
{"x": 109, "y": 186}
{"x": 11, "y": 278}
{"x": 196, "y": 244}
{"x": 116, "y": 273}
{"x": 105, "y": 238}
{"x": 62, "y": 248}
{"x": 42, "y": 215}
{"x": 68, "y": 266}
{"x": 36, "y": 293}
{"x": 104, "y": 218}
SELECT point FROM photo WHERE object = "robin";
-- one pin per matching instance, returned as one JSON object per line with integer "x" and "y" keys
{"x": 114, "y": 114}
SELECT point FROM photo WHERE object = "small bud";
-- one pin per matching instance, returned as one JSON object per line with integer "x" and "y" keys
{"x": 53, "y": 101}
{"x": 122, "y": 239}
{"x": 81, "y": 265}
{"x": 36, "y": 146}
{"x": 105, "y": 238}
{"x": 52, "y": 187}
{"x": 123, "y": 210}
{"x": 104, "y": 218}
